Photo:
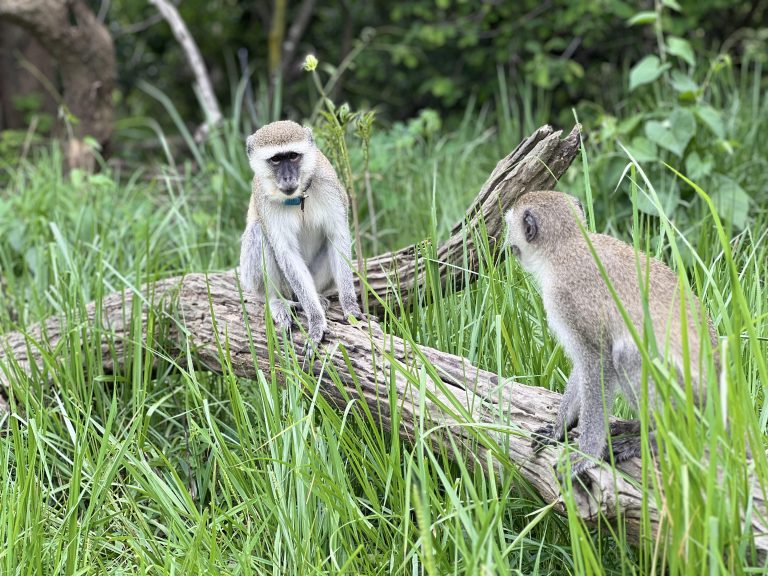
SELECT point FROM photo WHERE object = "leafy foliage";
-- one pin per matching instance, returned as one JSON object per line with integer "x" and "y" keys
{"x": 425, "y": 54}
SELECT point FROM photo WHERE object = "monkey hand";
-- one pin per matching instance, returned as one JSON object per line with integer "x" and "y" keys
{"x": 543, "y": 437}
{"x": 318, "y": 326}
{"x": 281, "y": 316}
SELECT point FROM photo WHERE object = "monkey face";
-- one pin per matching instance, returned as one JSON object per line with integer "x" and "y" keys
{"x": 282, "y": 156}
{"x": 286, "y": 169}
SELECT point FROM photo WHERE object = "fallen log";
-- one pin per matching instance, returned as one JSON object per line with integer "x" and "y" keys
{"x": 211, "y": 318}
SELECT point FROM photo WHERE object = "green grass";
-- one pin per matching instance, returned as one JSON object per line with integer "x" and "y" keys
{"x": 164, "y": 468}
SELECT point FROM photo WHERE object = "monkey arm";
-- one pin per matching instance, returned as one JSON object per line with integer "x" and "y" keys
{"x": 251, "y": 245}
{"x": 340, "y": 257}
{"x": 598, "y": 389}
{"x": 570, "y": 406}
{"x": 298, "y": 277}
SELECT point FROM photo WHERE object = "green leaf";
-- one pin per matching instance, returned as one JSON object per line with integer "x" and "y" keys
{"x": 731, "y": 201}
{"x": 712, "y": 119}
{"x": 629, "y": 124}
{"x": 643, "y": 150}
{"x": 697, "y": 167}
{"x": 648, "y": 17}
{"x": 683, "y": 83}
{"x": 646, "y": 71}
{"x": 672, "y": 4}
{"x": 681, "y": 48}
{"x": 674, "y": 133}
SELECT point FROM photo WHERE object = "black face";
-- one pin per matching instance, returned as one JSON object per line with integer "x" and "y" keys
{"x": 286, "y": 169}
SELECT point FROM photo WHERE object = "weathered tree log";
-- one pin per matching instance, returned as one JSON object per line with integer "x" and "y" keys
{"x": 208, "y": 311}
{"x": 82, "y": 47}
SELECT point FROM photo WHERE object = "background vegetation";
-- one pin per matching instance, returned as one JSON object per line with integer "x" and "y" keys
{"x": 176, "y": 470}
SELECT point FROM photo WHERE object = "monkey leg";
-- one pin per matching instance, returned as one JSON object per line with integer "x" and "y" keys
{"x": 567, "y": 417}
{"x": 320, "y": 268}
{"x": 628, "y": 366}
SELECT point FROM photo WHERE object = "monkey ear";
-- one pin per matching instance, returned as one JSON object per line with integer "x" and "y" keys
{"x": 249, "y": 145}
{"x": 310, "y": 136}
{"x": 531, "y": 226}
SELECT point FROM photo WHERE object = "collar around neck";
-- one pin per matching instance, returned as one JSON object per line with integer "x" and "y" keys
{"x": 298, "y": 200}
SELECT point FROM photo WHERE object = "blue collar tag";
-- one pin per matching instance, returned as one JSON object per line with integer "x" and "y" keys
{"x": 293, "y": 201}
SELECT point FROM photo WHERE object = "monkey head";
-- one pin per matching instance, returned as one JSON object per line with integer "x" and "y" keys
{"x": 283, "y": 155}
{"x": 538, "y": 225}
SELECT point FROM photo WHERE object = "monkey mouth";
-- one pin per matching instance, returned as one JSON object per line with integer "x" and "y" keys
{"x": 289, "y": 191}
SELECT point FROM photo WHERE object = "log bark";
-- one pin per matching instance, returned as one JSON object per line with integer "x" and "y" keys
{"x": 83, "y": 49}
{"x": 206, "y": 315}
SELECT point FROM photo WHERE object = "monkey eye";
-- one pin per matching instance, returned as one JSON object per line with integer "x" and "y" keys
{"x": 294, "y": 156}
{"x": 275, "y": 160}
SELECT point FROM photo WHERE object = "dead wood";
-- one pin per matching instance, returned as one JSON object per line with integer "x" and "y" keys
{"x": 195, "y": 61}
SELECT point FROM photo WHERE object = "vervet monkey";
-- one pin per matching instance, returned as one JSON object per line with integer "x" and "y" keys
{"x": 547, "y": 233}
{"x": 296, "y": 241}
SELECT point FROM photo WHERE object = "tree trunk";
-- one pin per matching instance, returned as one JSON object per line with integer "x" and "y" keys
{"x": 83, "y": 49}
{"x": 18, "y": 49}
{"x": 208, "y": 312}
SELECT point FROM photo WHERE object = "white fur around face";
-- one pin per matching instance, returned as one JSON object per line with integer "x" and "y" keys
{"x": 528, "y": 256}
{"x": 259, "y": 159}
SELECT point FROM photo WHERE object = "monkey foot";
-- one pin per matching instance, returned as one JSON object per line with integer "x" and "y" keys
{"x": 543, "y": 437}
{"x": 626, "y": 442}
{"x": 624, "y": 428}
{"x": 630, "y": 447}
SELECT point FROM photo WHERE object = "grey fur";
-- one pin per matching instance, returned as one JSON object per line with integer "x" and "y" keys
{"x": 297, "y": 251}
{"x": 546, "y": 232}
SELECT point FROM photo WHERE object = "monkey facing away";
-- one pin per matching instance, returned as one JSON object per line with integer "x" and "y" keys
{"x": 296, "y": 240}
{"x": 545, "y": 235}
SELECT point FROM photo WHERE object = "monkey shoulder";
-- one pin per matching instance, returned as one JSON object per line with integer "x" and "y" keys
{"x": 326, "y": 178}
